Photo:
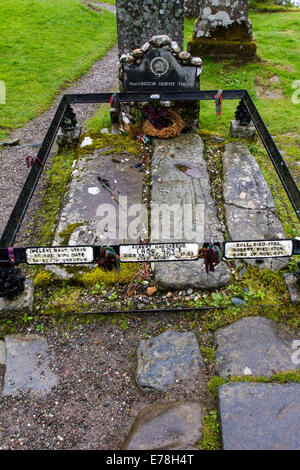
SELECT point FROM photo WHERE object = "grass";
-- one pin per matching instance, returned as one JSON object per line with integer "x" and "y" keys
{"x": 110, "y": 2}
{"x": 58, "y": 177}
{"x": 278, "y": 38}
{"x": 44, "y": 47}
{"x": 280, "y": 377}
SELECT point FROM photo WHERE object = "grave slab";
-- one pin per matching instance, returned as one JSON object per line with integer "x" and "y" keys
{"x": 249, "y": 206}
{"x": 93, "y": 214}
{"x": 166, "y": 426}
{"x": 166, "y": 358}
{"x": 182, "y": 209}
{"x": 88, "y": 201}
{"x": 258, "y": 416}
{"x": 255, "y": 346}
{"x": 27, "y": 367}
{"x": 223, "y": 30}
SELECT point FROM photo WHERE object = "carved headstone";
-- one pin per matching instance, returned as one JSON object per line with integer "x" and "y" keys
{"x": 223, "y": 30}
{"x": 161, "y": 66}
{"x": 139, "y": 21}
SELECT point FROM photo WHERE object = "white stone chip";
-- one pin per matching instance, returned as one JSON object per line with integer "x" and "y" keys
{"x": 87, "y": 141}
{"x": 94, "y": 190}
{"x": 247, "y": 371}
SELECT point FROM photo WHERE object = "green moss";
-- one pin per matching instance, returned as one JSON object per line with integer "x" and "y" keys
{"x": 64, "y": 300}
{"x": 221, "y": 48}
{"x": 65, "y": 234}
{"x": 57, "y": 180}
{"x": 281, "y": 377}
{"x": 98, "y": 276}
{"x": 44, "y": 279}
{"x": 265, "y": 293}
{"x": 110, "y": 143}
{"x": 211, "y": 439}
{"x": 208, "y": 352}
{"x": 237, "y": 32}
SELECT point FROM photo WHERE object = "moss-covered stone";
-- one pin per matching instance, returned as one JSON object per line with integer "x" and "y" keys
{"x": 110, "y": 143}
{"x": 98, "y": 276}
{"x": 43, "y": 279}
{"x": 65, "y": 234}
{"x": 222, "y": 49}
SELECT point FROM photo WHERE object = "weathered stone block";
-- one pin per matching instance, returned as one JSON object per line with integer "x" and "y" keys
{"x": 222, "y": 49}
{"x": 258, "y": 416}
{"x": 238, "y": 131}
{"x": 249, "y": 206}
{"x": 68, "y": 138}
{"x": 181, "y": 189}
{"x": 166, "y": 358}
{"x": 223, "y": 30}
{"x": 255, "y": 346}
{"x": 22, "y": 303}
{"x": 166, "y": 426}
{"x": 293, "y": 287}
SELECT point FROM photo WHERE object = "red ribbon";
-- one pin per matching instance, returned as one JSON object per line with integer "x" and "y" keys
{"x": 30, "y": 161}
{"x": 219, "y": 102}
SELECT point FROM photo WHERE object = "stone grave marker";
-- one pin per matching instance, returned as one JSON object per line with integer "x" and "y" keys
{"x": 139, "y": 21}
{"x": 160, "y": 65}
{"x": 223, "y": 30}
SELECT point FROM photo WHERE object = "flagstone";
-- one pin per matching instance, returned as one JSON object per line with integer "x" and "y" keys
{"x": 27, "y": 366}
{"x": 181, "y": 188}
{"x": 168, "y": 358}
{"x": 256, "y": 346}
{"x": 259, "y": 416}
{"x": 166, "y": 426}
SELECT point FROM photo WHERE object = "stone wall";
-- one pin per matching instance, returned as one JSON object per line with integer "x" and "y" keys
{"x": 138, "y": 21}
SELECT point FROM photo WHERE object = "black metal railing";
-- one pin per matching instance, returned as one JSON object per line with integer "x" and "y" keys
{"x": 11, "y": 229}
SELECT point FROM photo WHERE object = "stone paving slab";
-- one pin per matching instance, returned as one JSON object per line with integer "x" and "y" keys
{"x": 249, "y": 206}
{"x": 100, "y": 216}
{"x": 258, "y": 416}
{"x": 255, "y": 346}
{"x": 166, "y": 426}
{"x": 86, "y": 196}
{"x": 167, "y": 358}
{"x": 27, "y": 367}
{"x": 180, "y": 180}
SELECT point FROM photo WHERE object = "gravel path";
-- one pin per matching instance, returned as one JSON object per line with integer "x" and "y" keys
{"x": 96, "y": 399}
{"x": 102, "y": 78}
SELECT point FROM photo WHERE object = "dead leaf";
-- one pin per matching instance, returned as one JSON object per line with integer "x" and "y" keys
{"x": 151, "y": 290}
